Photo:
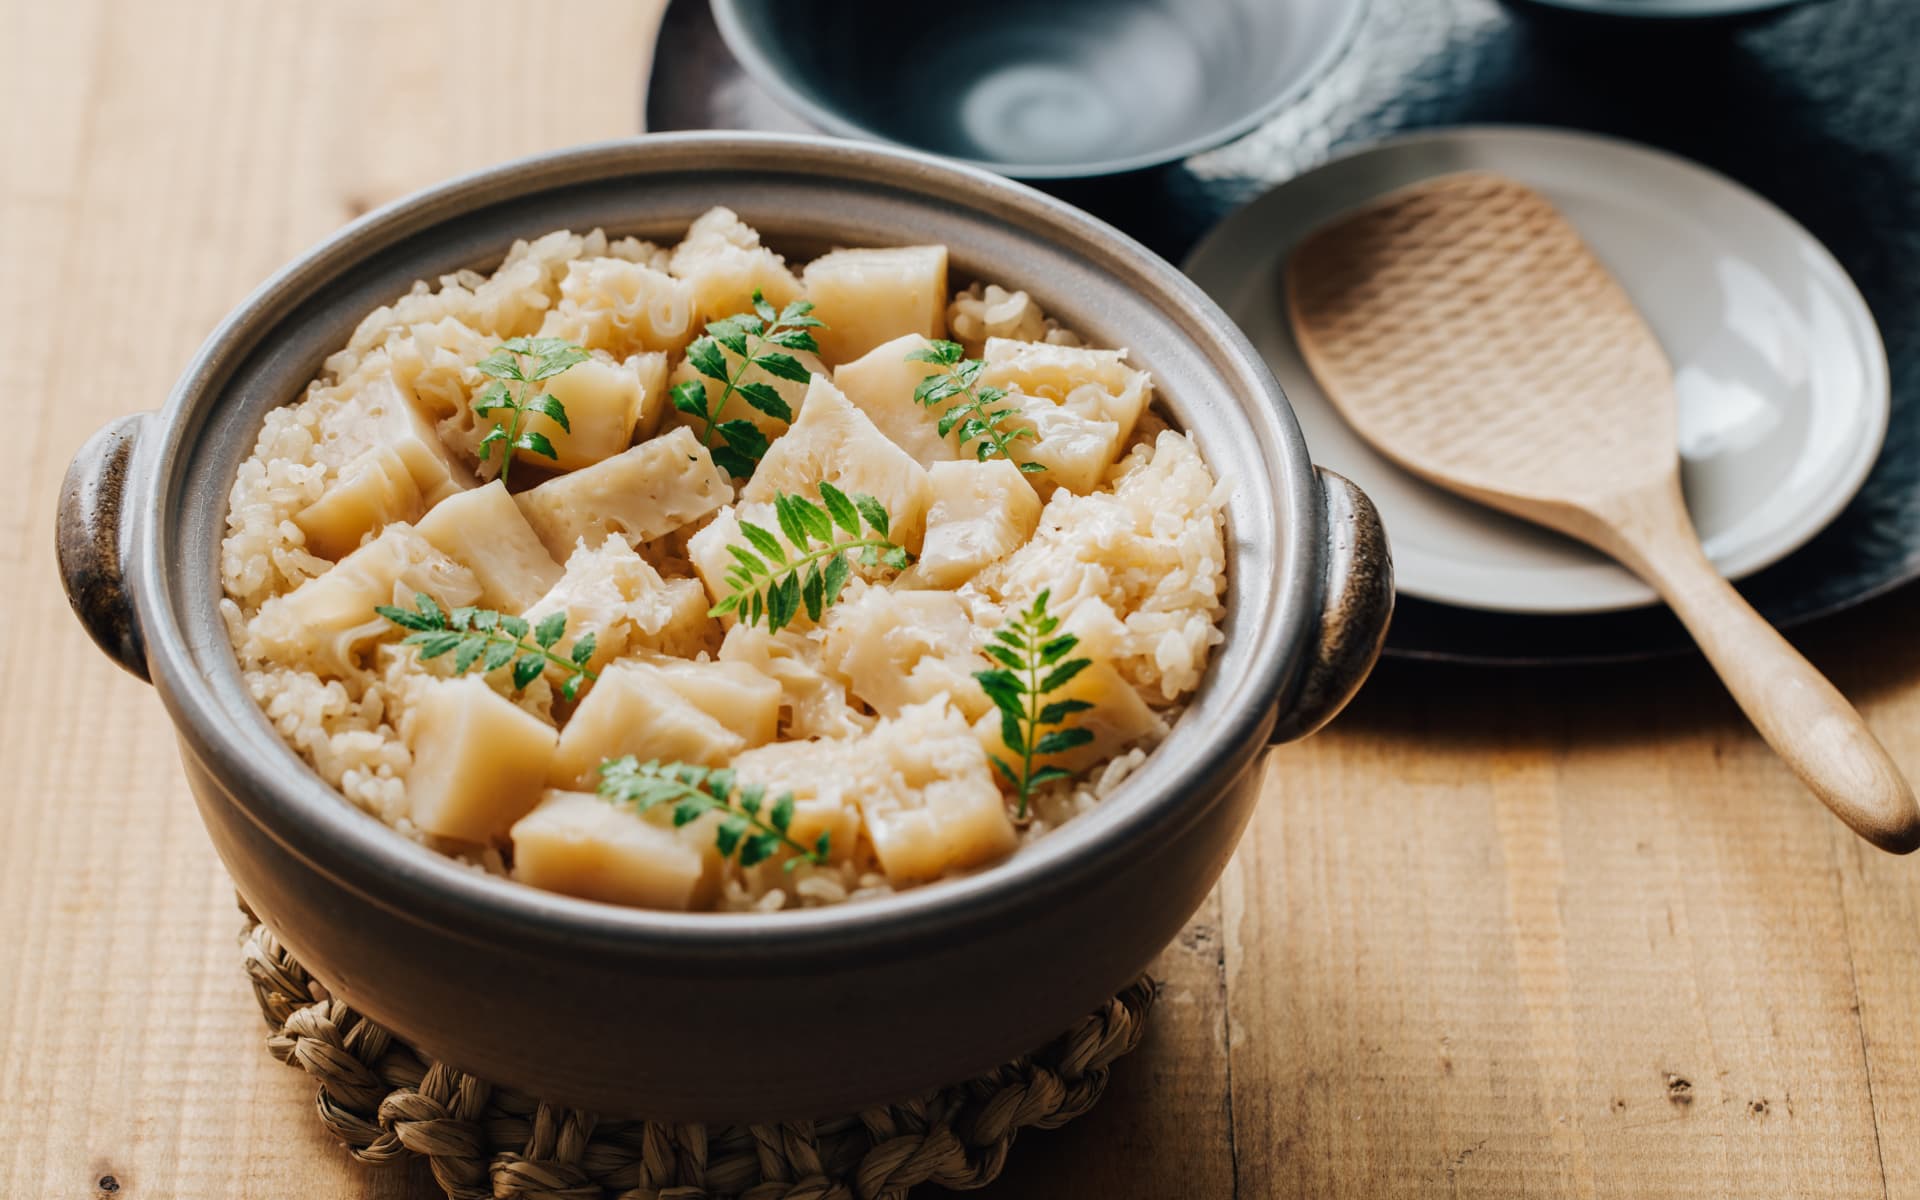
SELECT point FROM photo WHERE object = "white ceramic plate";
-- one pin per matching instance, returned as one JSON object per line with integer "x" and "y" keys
{"x": 1781, "y": 373}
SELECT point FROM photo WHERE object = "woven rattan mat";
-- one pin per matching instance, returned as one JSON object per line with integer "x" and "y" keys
{"x": 388, "y": 1104}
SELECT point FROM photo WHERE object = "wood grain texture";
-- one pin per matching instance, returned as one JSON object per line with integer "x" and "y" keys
{"x": 1571, "y": 934}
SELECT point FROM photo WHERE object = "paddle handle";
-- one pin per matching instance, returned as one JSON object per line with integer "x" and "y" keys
{"x": 1800, "y": 714}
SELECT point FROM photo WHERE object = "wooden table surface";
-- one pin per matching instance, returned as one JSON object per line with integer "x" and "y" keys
{"x": 1493, "y": 935}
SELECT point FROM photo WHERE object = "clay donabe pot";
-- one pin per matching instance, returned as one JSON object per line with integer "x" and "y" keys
{"x": 729, "y": 1017}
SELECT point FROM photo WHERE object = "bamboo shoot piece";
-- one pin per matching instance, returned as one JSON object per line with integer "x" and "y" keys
{"x": 1075, "y": 449}
{"x": 734, "y": 694}
{"x": 633, "y": 709}
{"x": 903, "y": 646}
{"x": 723, "y": 263}
{"x": 582, "y": 845}
{"x": 1096, "y": 384}
{"x": 822, "y": 777}
{"x": 623, "y": 308}
{"x": 641, "y": 494}
{"x": 688, "y": 631}
{"x": 867, "y": 297}
{"x": 612, "y": 593}
{"x": 929, "y": 797}
{"x": 814, "y": 700}
{"x": 321, "y": 622}
{"x": 834, "y": 441}
{"x": 606, "y": 403}
{"x": 397, "y": 422}
{"x": 484, "y": 530}
{"x": 981, "y": 511}
{"x": 371, "y": 492}
{"x": 479, "y": 760}
{"x": 881, "y": 383}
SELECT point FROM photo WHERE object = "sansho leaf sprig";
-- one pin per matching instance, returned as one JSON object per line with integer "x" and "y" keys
{"x": 514, "y": 368}
{"x": 757, "y": 339}
{"x": 977, "y": 413}
{"x": 1032, "y": 654}
{"x": 749, "y": 826}
{"x": 492, "y": 639}
{"x": 775, "y": 582}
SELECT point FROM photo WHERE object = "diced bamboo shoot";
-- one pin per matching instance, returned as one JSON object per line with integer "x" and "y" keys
{"x": 615, "y": 595}
{"x": 881, "y": 383}
{"x": 582, "y": 845}
{"x": 879, "y": 642}
{"x": 484, "y": 530}
{"x": 687, "y": 631}
{"x": 640, "y": 494}
{"x": 325, "y": 619}
{"x": 928, "y": 796}
{"x": 397, "y": 422}
{"x": 981, "y": 511}
{"x": 835, "y": 442}
{"x": 950, "y": 676}
{"x": 372, "y": 491}
{"x": 1076, "y": 450}
{"x": 708, "y": 549}
{"x": 605, "y": 402}
{"x": 734, "y": 694}
{"x": 723, "y": 262}
{"x": 867, "y": 297}
{"x": 813, "y": 700}
{"x": 623, "y": 308}
{"x": 823, "y": 777}
{"x": 1096, "y": 384}
{"x": 655, "y": 403}
{"x": 634, "y": 709}
{"x": 479, "y": 760}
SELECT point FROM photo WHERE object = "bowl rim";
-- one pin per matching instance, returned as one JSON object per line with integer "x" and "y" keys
{"x": 1351, "y": 15}
{"x": 272, "y": 786}
{"x": 1687, "y": 12}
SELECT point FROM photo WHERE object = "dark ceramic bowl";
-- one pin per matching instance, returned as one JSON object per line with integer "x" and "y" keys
{"x": 1054, "y": 90}
{"x": 640, "y": 1013}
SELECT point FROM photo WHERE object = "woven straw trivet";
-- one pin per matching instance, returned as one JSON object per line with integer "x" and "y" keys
{"x": 486, "y": 1143}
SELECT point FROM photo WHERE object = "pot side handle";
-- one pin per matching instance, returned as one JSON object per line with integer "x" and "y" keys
{"x": 90, "y": 537}
{"x": 1358, "y": 606}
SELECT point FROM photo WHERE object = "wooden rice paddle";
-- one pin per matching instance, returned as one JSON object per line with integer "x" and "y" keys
{"x": 1464, "y": 328}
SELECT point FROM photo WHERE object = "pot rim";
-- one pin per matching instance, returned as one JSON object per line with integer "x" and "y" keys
{"x": 269, "y": 782}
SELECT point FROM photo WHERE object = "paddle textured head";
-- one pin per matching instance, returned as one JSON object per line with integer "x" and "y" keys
{"x": 1465, "y": 329}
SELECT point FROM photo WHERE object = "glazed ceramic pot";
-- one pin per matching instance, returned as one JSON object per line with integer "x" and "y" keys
{"x": 729, "y": 1017}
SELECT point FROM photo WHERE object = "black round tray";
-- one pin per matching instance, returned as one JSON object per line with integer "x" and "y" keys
{"x": 1818, "y": 110}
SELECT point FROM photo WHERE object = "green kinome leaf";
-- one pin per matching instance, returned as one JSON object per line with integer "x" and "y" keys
{"x": 493, "y": 640}
{"x": 515, "y": 367}
{"x": 777, "y": 580}
{"x": 758, "y": 339}
{"x": 967, "y": 410}
{"x": 1033, "y": 663}
{"x": 748, "y": 829}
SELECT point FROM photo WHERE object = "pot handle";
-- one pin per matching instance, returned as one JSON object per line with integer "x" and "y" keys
{"x": 1358, "y": 599}
{"x": 91, "y": 539}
